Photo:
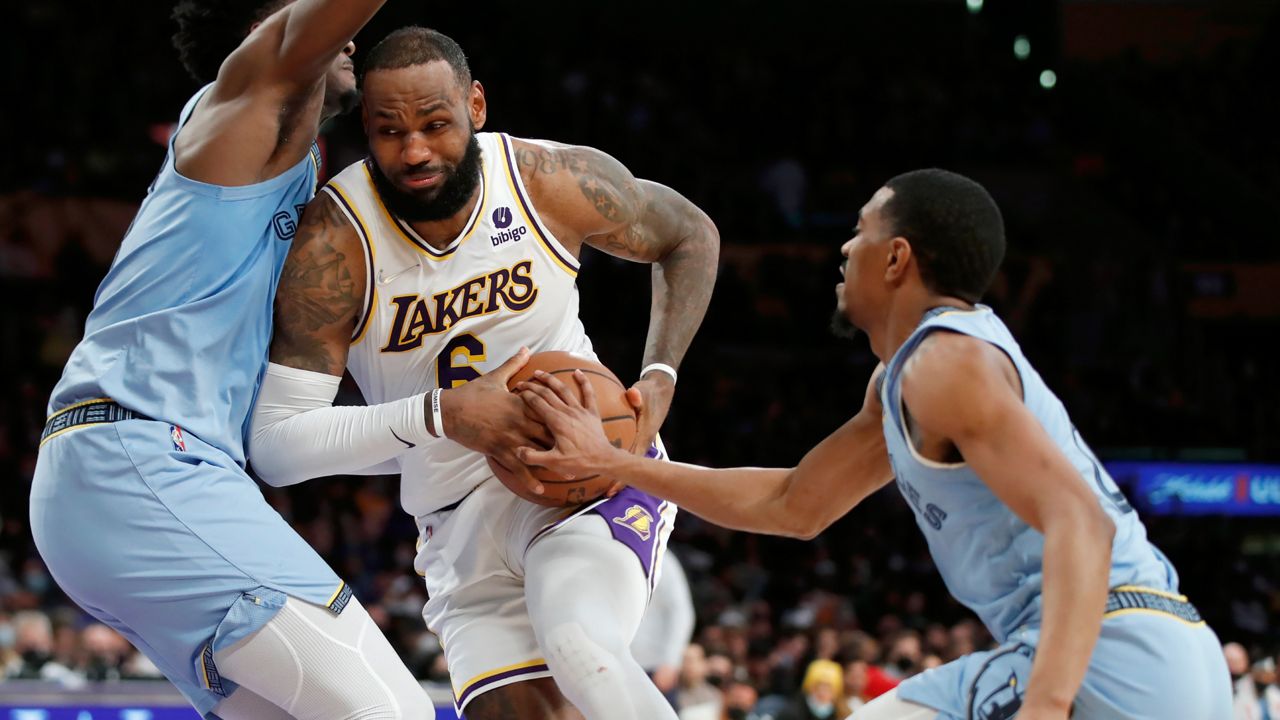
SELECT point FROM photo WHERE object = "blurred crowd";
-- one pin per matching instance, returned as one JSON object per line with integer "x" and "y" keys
{"x": 1133, "y": 195}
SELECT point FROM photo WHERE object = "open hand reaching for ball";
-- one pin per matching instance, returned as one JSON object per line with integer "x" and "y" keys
{"x": 581, "y": 447}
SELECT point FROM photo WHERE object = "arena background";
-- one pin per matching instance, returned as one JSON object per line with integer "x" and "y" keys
{"x": 1131, "y": 145}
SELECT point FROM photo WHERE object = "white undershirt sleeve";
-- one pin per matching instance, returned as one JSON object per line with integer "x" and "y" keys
{"x": 297, "y": 434}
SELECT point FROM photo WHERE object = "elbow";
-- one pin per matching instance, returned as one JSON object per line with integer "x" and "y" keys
{"x": 807, "y": 528}
{"x": 266, "y": 463}
{"x": 267, "y": 471}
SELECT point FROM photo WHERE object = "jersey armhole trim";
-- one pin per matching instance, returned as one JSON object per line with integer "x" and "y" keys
{"x": 555, "y": 251}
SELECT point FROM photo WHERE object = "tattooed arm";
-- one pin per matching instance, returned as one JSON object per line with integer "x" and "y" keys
{"x": 296, "y": 433}
{"x": 586, "y": 196}
{"x": 321, "y": 292}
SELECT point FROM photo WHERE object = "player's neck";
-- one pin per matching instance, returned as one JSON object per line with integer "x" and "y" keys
{"x": 906, "y": 311}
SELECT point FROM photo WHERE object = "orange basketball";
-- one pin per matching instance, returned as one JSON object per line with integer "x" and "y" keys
{"x": 616, "y": 415}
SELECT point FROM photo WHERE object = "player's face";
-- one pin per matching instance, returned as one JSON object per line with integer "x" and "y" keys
{"x": 340, "y": 91}
{"x": 421, "y": 125}
{"x": 862, "y": 288}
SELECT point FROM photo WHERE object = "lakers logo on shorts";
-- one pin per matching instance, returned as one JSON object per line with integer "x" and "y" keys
{"x": 637, "y": 520}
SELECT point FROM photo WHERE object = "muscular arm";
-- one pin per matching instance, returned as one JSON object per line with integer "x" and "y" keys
{"x": 966, "y": 391}
{"x": 266, "y": 101}
{"x": 321, "y": 292}
{"x": 589, "y": 197}
{"x": 296, "y": 433}
{"x": 840, "y": 472}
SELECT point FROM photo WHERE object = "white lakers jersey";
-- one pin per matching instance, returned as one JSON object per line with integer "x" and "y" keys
{"x": 439, "y": 318}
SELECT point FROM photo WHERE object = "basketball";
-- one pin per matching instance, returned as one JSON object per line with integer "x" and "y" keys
{"x": 616, "y": 415}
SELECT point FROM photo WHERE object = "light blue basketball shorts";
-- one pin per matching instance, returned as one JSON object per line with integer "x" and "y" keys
{"x": 166, "y": 539}
{"x": 1148, "y": 665}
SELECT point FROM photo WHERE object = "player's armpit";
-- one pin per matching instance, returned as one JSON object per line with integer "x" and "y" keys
{"x": 967, "y": 391}
{"x": 321, "y": 293}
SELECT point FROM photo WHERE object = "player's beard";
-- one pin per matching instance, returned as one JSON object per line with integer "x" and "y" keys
{"x": 452, "y": 195}
{"x": 841, "y": 326}
{"x": 348, "y": 100}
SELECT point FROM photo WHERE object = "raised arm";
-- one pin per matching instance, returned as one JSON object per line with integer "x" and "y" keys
{"x": 589, "y": 197}
{"x": 265, "y": 107}
{"x": 801, "y": 502}
{"x": 964, "y": 390}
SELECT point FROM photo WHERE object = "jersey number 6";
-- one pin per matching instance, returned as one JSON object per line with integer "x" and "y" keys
{"x": 455, "y": 364}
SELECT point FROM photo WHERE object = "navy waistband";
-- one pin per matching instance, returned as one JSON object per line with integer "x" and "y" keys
{"x": 90, "y": 412}
{"x": 1133, "y": 597}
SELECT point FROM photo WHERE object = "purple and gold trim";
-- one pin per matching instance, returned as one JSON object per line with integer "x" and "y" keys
{"x": 497, "y": 678}
{"x": 555, "y": 251}
{"x": 370, "y": 258}
{"x": 636, "y": 519}
{"x": 411, "y": 236}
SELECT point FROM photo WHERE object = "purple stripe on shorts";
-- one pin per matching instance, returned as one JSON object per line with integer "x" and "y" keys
{"x": 635, "y": 519}
{"x": 482, "y": 684}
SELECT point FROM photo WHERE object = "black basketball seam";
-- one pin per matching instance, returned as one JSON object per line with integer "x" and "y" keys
{"x": 613, "y": 380}
{"x": 564, "y": 482}
{"x": 615, "y": 418}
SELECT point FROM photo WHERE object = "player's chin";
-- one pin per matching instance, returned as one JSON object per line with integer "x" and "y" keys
{"x": 345, "y": 96}
{"x": 841, "y": 325}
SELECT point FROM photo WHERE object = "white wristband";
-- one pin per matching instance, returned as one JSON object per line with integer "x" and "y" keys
{"x": 437, "y": 419}
{"x": 660, "y": 367}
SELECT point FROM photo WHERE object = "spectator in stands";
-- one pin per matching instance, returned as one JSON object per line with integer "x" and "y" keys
{"x": 855, "y": 684}
{"x": 696, "y": 697}
{"x": 822, "y": 688}
{"x": 33, "y": 643}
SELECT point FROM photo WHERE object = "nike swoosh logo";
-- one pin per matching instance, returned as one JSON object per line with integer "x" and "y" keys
{"x": 383, "y": 278}
{"x": 406, "y": 442}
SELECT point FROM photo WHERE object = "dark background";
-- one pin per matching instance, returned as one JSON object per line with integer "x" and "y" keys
{"x": 1139, "y": 196}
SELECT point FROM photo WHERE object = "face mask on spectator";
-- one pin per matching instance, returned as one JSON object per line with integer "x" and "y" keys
{"x": 820, "y": 710}
{"x": 7, "y": 636}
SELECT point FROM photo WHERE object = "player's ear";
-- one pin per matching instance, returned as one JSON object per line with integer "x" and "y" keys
{"x": 898, "y": 259}
{"x": 477, "y": 107}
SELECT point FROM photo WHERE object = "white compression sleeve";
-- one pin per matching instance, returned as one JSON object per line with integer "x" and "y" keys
{"x": 297, "y": 434}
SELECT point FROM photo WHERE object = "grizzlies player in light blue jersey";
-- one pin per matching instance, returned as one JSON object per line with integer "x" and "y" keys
{"x": 1025, "y": 526}
{"x": 140, "y": 504}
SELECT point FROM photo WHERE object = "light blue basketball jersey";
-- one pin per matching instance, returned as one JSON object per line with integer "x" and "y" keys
{"x": 992, "y": 561}
{"x": 181, "y": 324}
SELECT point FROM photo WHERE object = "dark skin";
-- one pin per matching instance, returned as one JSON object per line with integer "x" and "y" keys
{"x": 419, "y": 120}
{"x": 271, "y": 94}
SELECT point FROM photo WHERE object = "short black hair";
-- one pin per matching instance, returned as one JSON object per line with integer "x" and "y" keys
{"x": 415, "y": 45}
{"x": 954, "y": 227}
{"x": 210, "y": 30}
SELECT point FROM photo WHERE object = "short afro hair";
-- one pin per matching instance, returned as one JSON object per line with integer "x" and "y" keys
{"x": 209, "y": 30}
{"x": 954, "y": 227}
{"x": 415, "y": 45}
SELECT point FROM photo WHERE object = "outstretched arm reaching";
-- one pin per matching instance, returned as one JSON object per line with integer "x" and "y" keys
{"x": 265, "y": 107}
{"x": 846, "y": 467}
